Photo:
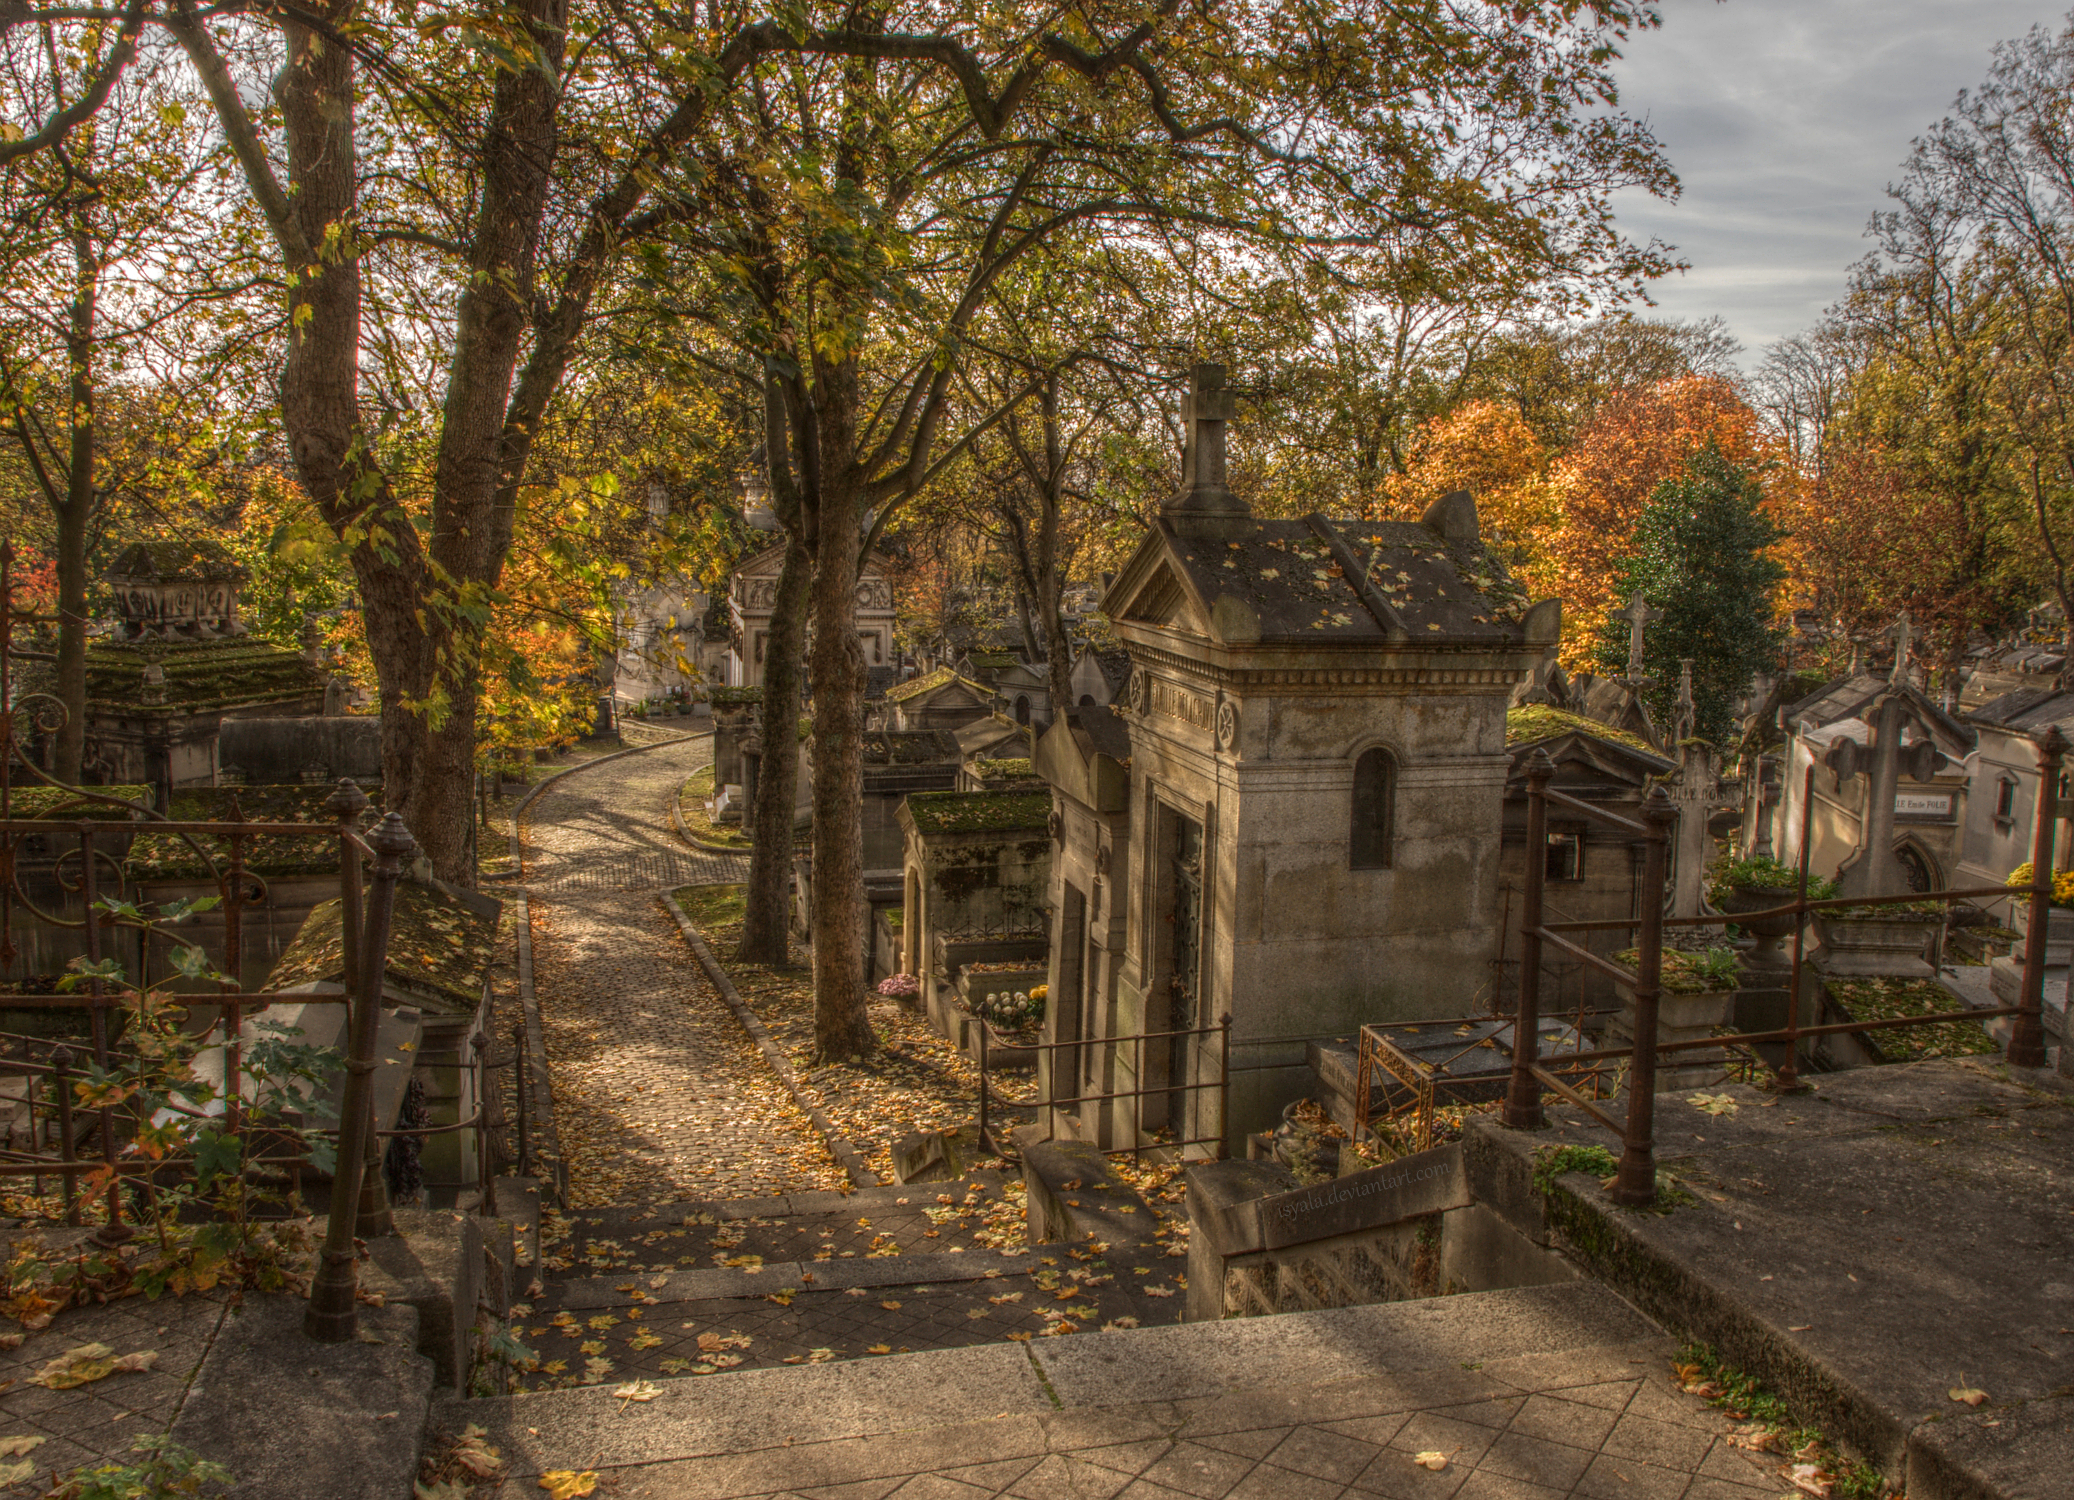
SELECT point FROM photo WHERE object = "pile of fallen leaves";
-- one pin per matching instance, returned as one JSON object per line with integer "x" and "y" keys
{"x": 1807, "y": 1460}
{"x": 41, "y": 1281}
{"x": 916, "y": 1081}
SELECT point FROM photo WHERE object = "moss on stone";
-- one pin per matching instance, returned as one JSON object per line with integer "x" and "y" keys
{"x": 978, "y": 812}
{"x": 435, "y": 945}
{"x": 1537, "y": 721}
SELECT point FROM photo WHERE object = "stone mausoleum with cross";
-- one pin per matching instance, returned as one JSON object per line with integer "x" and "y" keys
{"x": 1298, "y": 823}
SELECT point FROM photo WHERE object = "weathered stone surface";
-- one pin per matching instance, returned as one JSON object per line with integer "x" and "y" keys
{"x": 1859, "y": 1248}
{"x": 294, "y": 1420}
{"x": 1429, "y": 1182}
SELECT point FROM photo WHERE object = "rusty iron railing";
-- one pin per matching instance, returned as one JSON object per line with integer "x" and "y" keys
{"x": 1047, "y": 1102}
{"x": 75, "y": 838}
{"x": 1635, "y": 1184}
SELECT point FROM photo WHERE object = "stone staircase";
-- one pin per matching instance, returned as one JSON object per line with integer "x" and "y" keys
{"x": 1546, "y": 1391}
{"x": 684, "y": 1291}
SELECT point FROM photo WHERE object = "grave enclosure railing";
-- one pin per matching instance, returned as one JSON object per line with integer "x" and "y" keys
{"x": 1048, "y": 1103}
{"x": 62, "y": 869}
{"x": 1635, "y": 1183}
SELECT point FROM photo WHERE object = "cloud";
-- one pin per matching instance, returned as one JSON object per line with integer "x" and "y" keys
{"x": 1786, "y": 120}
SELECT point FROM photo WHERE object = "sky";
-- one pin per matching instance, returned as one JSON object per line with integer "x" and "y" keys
{"x": 1786, "y": 120}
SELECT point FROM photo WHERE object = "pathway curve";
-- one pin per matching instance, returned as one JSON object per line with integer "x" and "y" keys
{"x": 660, "y": 1095}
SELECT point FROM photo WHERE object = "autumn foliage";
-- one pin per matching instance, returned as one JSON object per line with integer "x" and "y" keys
{"x": 1566, "y": 519}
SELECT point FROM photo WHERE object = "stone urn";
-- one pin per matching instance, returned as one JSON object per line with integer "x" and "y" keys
{"x": 1884, "y": 942}
{"x": 1770, "y": 932}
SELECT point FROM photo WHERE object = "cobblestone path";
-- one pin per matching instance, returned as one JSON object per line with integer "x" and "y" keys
{"x": 659, "y": 1094}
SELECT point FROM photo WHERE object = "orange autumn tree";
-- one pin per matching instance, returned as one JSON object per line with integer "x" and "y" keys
{"x": 1487, "y": 448}
{"x": 1637, "y": 439}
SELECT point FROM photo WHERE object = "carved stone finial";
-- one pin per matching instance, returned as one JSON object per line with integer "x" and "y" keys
{"x": 1901, "y": 634}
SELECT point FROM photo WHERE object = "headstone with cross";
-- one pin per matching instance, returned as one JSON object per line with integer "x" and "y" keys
{"x": 1639, "y": 616}
{"x": 1697, "y": 793}
{"x": 1875, "y": 870}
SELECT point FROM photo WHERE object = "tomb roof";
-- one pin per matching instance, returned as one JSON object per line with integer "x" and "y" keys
{"x": 194, "y": 675}
{"x": 978, "y": 812}
{"x": 441, "y": 944}
{"x": 1852, "y": 698}
{"x": 1316, "y": 582}
{"x": 985, "y": 734}
{"x": 2028, "y": 711}
{"x": 929, "y": 682}
{"x": 907, "y": 747}
{"x": 1536, "y": 723}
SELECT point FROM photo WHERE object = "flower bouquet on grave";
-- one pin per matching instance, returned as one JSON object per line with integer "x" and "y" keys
{"x": 1016, "y": 1014}
{"x": 898, "y": 987}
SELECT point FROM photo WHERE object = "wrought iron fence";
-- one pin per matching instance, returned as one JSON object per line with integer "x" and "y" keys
{"x": 1635, "y": 1184}
{"x": 63, "y": 852}
{"x": 1048, "y": 1102}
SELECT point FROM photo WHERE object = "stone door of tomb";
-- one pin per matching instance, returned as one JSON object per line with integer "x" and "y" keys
{"x": 1185, "y": 981}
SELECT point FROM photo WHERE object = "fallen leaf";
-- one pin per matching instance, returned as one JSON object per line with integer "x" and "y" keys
{"x": 13, "y": 1474}
{"x": 567, "y": 1484}
{"x": 1808, "y": 1479}
{"x": 636, "y": 1390}
{"x": 1714, "y": 1104}
{"x": 1968, "y": 1395}
{"x": 76, "y": 1367}
{"x": 17, "y": 1447}
{"x": 1432, "y": 1458}
{"x": 890, "y": 1306}
{"x": 138, "y": 1363}
{"x": 880, "y": 1349}
{"x": 475, "y": 1455}
{"x": 644, "y": 1341}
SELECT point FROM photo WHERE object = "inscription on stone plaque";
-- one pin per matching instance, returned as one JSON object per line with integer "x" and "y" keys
{"x": 1179, "y": 703}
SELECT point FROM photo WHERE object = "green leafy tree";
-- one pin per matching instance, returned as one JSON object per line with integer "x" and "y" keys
{"x": 1702, "y": 556}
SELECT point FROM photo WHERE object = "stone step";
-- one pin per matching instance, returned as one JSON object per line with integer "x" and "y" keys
{"x": 757, "y": 1432}
{"x": 809, "y": 1228}
{"x": 580, "y": 1293}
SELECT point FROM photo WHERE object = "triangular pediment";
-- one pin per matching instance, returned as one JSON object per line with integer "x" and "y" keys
{"x": 1162, "y": 599}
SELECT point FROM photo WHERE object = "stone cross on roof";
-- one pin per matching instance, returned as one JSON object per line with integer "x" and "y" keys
{"x": 1639, "y": 615}
{"x": 1204, "y": 411}
{"x": 1901, "y": 634}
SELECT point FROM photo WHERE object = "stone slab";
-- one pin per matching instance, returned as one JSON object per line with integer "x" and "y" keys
{"x": 753, "y": 1409}
{"x": 822, "y": 1275}
{"x": 1313, "y": 1348}
{"x": 1428, "y": 1182}
{"x": 1860, "y": 1248}
{"x": 295, "y": 1420}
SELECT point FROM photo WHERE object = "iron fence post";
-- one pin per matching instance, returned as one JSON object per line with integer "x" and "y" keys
{"x": 485, "y": 1182}
{"x": 332, "y": 1317}
{"x": 1636, "y": 1186}
{"x": 981, "y": 1022}
{"x": 1224, "y": 1086}
{"x": 2027, "y": 1030}
{"x": 1523, "y": 1098}
{"x": 61, "y": 1090}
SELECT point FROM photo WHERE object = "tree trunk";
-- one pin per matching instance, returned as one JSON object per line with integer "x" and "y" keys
{"x": 76, "y": 513}
{"x": 766, "y": 921}
{"x": 842, "y": 1023}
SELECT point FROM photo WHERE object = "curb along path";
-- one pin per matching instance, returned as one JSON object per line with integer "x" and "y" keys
{"x": 658, "y": 1093}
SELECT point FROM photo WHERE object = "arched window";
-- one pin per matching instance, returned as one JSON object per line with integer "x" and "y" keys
{"x": 1022, "y": 710}
{"x": 1375, "y": 811}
